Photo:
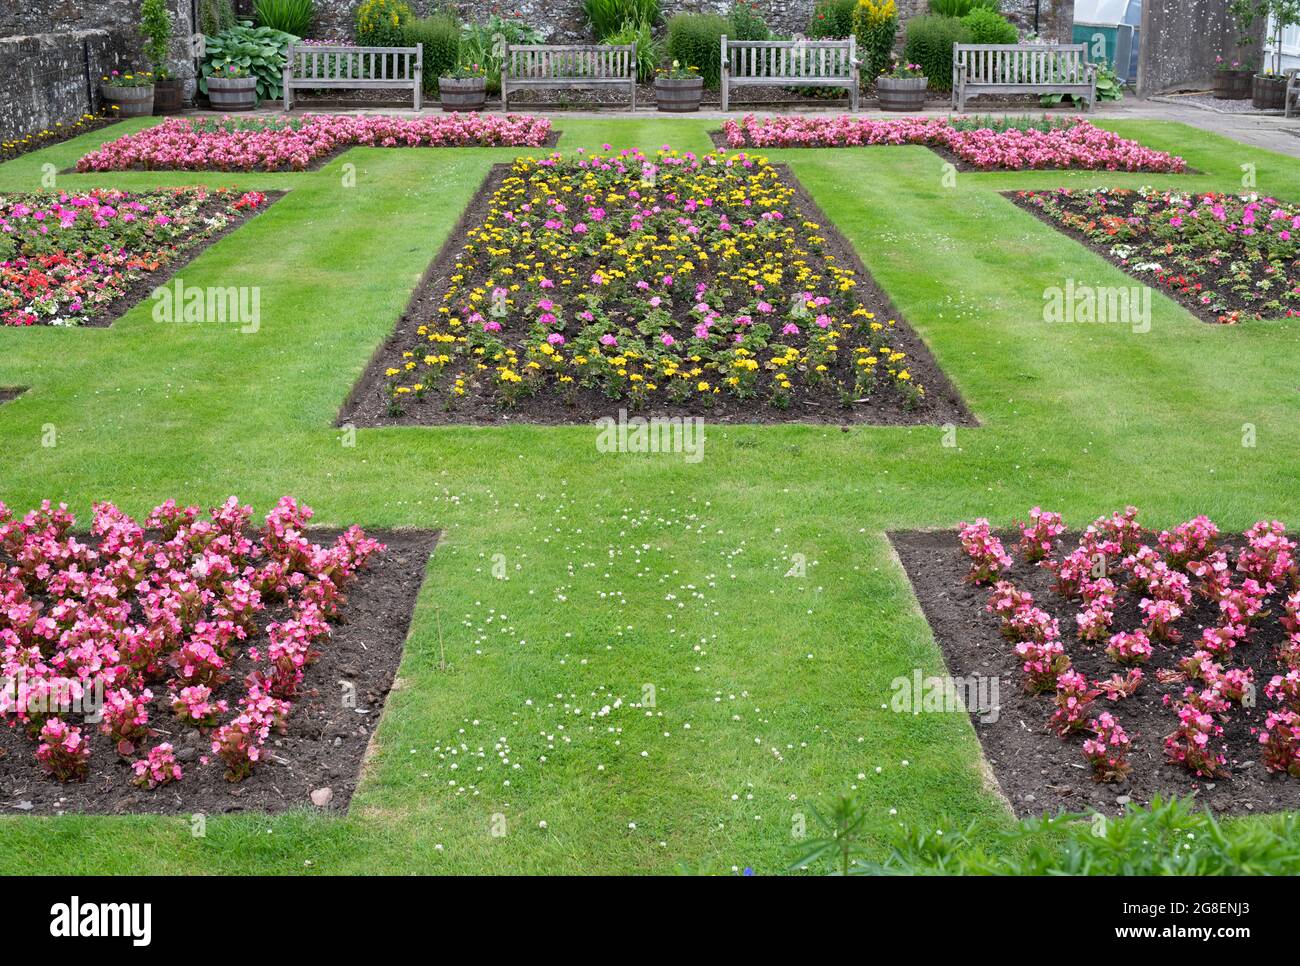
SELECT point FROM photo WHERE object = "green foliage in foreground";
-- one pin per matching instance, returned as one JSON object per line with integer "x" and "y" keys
{"x": 1165, "y": 838}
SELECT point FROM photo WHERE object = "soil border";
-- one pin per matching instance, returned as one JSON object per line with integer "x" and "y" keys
{"x": 365, "y": 405}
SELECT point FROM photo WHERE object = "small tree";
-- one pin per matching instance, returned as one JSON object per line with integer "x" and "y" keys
{"x": 875, "y": 24}
{"x": 1284, "y": 13}
{"x": 156, "y": 26}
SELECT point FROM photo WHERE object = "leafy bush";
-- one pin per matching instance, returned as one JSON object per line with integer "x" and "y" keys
{"x": 482, "y": 43}
{"x": 929, "y": 43}
{"x": 156, "y": 26}
{"x": 695, "y": 40}
{"x": 382, "y": 23}
{"x": 216, "y": 16}
{"x": 291, "y": 16}
{"x": 608, "y": 17}
{"x": 832, "y": 18}
{"x": 747, "y": 23}
{"x": 258, "y": 50}
{"x": 875, "y": 24}
{"x": 1163, "y": 838}
{"x": 960, "y": 8}
{"x": 648, "y": 49}
{"x": 990, "y": 27}
{"x": 440, "y": 35}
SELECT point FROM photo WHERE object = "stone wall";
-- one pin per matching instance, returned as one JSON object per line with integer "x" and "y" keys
{"x": 1180, "y": 41}
{"x": 53, "y": 53}
{"x": 563, "y": 20}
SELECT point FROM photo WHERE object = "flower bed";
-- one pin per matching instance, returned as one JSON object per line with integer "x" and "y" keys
{"x": 60, "y": 132}
{"x": 1225, "y": 257}
{"x": 241, "y": 144}
{"x": 70, "y": 259}
{"x": 672, "y": 283}
{"x": 187, "y": 649}
{"x": 1153, "y": 662}
{"x": 1048, "y": 144}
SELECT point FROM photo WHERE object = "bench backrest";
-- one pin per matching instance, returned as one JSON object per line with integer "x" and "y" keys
{"x": 1029, "y": 64}
{"x": 570, "y": 61}
{"x": 789, "y": 59}
{"x": 361, "y": 63}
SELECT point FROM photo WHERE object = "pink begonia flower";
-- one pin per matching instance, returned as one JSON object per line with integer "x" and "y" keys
{"x": 608, "y": 339}
{"x": 555, "y": 339}
{"x": 790, "y": 329}
{"x": 667, "y": 339}
{"x": 492, "y": 326}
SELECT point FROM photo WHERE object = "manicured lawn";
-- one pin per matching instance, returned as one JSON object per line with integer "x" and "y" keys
{"x": 627, "y": 570}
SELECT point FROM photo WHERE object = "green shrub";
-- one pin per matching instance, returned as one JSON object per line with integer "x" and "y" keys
{"x": 382, "y": 23}
{"x": 695, "y": 40}
{"x": 440, "y": 35}
{"x": 989, "y": 27}
{"x": 648, "y": 50}
{"x": 216, "y": 16}
{"x": 832, "y": 18}
{"x": 478, "y": 44}
{"x": 608, "y": 17}
{"x": 959, "y": 8}
{"x": 156, "y": 26}
{"x": 747, "y": 23}
{"x": 929, "y": 43}
{"x": 875, "y": 24}
{"x": 258, "y": 50}
{"x": 291, "y": 16}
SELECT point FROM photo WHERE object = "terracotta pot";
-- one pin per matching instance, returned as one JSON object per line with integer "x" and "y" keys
{"x": 462, "y": 93}
{"x": 129, "y": 101}
{"x": 901, "y": 93}
{"x": 1268, "y": 93}
{"x": 1233, "y": 85}
{"x": 168, "y": 96}
{"x": 232, "y": 93}
{"x": 679, "y": 95}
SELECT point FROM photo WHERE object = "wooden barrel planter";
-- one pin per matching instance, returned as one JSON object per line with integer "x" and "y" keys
{"x": 1268, "y": 93}
{"x": 232, "y": 93}
{"x": 901, "y": 93}
{"x": 168, "y": 96}
{"x": 679, "y": 95}
{"x": 1233, "y": 85}
{"x": 129, "y": 101}
{"x": 462, "y": 93}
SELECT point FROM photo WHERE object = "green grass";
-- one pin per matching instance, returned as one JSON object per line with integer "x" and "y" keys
{"x": 633, "y": 570}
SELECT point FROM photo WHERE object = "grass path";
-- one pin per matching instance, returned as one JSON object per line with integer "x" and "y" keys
{"x": 641, "y": 570}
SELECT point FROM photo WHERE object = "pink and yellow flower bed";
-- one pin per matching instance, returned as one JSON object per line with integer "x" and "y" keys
{"x": 1045, "y": 144}
{"x": 69, "y": 258}
{"x": 235, "y": 144}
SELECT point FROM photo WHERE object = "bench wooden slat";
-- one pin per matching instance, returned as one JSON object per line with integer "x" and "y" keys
{"x": 568, "y": 66}
{"x": 341, "y": 66}
{"x": 799, "y": 63}
{"x": 1022, "y": 68}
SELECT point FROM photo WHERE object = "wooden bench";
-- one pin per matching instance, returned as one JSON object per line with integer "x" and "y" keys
{"x": 312, "y": 67}
{"x": 1022, "y": 69}
{"x": 1292, "y": 90}
{"x": 569, "y": 66}
{"x": 790, "y": 63}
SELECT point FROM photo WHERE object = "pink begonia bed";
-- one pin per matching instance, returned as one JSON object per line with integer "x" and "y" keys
{"x": 241, "y": 144}
{"x": 1067, "y": 145}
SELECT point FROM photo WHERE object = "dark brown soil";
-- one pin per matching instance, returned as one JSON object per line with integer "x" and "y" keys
{"x": 1214, "y": 279}
{"x": 1038, "y": 771}
{"x": 98, "y": 124}
{"x": 367, "y": 404}
{"x": 325, "y": 742}
{"x": 140, "y": 289}
{"x": 8, "y": 393}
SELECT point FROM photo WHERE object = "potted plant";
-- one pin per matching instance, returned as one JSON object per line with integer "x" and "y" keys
{"x": 232, "y": 88}
{"x": 1232, "y": 79}
{"x": 678, "y": 89}
{"x": 156, "y": 26}
{"x": 464, "y": 88}
{"x": 1268, "y": 90}
{"x": 128, "y": 93}
{"x": 902, "y": 87}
